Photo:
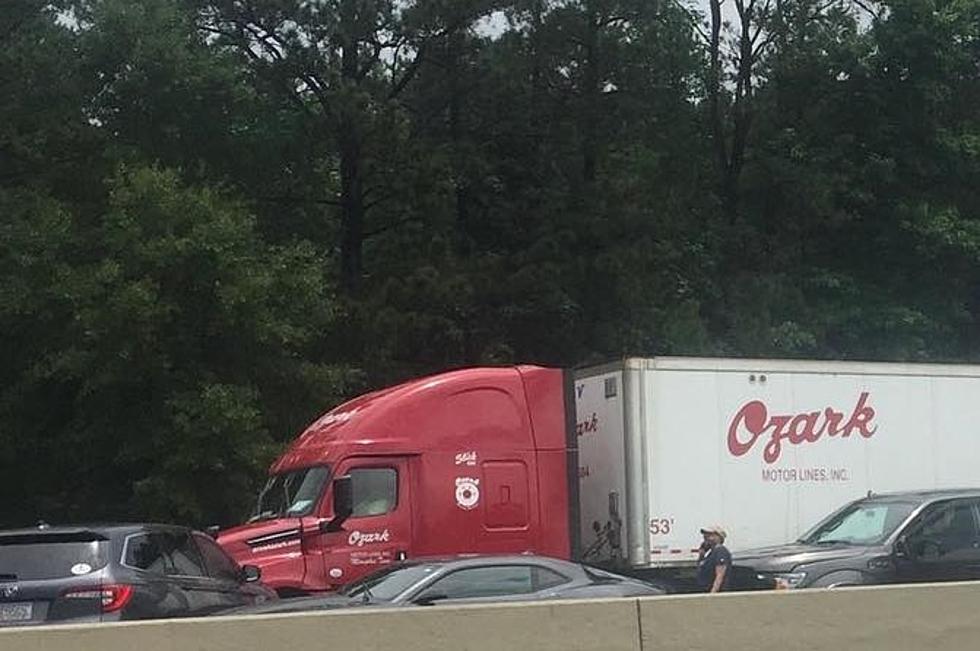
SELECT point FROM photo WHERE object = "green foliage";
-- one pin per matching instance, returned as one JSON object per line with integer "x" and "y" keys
{"x": 219, "y": 218}
{"x": 146, "y": 348}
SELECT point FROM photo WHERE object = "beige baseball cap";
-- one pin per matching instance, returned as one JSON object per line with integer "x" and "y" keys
{"x": 715, "y": 529}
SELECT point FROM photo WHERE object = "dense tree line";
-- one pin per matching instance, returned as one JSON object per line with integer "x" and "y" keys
{"x": 220, "y": 217}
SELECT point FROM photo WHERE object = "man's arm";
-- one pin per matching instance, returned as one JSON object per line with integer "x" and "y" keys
{"x": 720, "y": 571}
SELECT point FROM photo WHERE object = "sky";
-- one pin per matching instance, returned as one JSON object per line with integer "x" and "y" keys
{"x": 496, "y": 23}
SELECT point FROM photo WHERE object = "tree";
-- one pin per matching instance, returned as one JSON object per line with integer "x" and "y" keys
{"x": 158, "y": 364}
{"x": 347, "y": 63}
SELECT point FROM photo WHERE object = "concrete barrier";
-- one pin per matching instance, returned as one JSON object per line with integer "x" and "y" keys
{"x": 920, "y": 617}
{"x": 868, "y": 619}
{"x": 573, "y": 626}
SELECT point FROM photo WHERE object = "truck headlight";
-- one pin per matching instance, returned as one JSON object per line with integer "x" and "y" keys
{"x": 788, "y": 580}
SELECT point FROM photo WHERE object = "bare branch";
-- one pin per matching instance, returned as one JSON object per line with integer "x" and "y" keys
{"x": 261, "y": 36}
{"x": 761, "y": 47}
{"x": 410, "y": 73}
{"x": 301, "y": 200}
{"x": 867, "y": 8}
{"x": 271, "y": 49}
{"x": 376, "y": 48}
{"x": 695, "y": 21}
{"x": 614, "y": 19}
{"x": 368, "y": 205}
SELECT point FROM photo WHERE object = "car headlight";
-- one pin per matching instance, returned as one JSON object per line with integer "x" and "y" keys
{"x": 788, "y": 580}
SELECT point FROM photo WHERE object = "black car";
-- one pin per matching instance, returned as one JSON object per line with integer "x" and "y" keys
{"x": 895, "y": 538}
{"x": 475, "y": 579}
{"x": 118, "y": 572}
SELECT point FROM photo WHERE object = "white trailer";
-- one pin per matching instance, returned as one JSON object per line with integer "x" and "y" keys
{"x": 765, "y": 448}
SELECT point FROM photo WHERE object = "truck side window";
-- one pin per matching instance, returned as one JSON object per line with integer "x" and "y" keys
{"x": 944, "y": 529}
{"x": 375, "y": 491}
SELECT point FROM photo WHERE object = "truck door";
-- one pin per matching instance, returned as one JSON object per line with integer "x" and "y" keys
{"x": 379, "y": 530}
{"x": 943, "y": 545}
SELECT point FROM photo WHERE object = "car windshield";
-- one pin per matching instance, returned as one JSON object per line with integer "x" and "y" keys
{"x": 862, "y": 523}
{"x": 291, "y": 494}
{"x": 41, "y": 557}
{"x": 387, "y": 584}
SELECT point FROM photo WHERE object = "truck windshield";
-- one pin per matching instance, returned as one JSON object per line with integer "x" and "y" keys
{"x": 862, "y": 523}
{"x": 291, "y": 494}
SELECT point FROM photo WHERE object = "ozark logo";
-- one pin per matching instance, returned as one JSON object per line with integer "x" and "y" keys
{"x": 8, "y": 590}
{"x": 753, "y": 421}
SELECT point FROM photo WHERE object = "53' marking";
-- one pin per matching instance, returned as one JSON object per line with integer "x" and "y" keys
{"x": 661, "y": 526}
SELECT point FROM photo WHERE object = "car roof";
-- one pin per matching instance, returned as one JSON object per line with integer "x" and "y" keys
{"x": 109, "y": 530}
{"x": 471, "y": 560}
{"x": 927, "y": 495}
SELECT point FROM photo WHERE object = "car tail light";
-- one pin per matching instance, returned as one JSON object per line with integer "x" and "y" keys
{"x": 114, "y": 597}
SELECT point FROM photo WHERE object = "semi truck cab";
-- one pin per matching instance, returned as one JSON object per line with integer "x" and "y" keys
{"x": 471, "y": 461}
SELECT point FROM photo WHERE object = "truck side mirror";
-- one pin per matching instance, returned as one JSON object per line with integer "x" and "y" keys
{"x": 343, "y": 505}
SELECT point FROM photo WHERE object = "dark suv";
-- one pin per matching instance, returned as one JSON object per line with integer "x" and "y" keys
{"x": 893, "y": 538}
{"x": 118, "y": 572}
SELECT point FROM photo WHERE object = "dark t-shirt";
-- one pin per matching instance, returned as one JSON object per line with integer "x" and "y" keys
{"x": 717, "y": 557}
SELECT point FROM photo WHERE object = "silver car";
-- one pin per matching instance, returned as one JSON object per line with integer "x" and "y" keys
{"x": 475, "y": 579}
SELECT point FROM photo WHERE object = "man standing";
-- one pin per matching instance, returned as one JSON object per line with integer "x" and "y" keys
{"x": 714, "y": 561}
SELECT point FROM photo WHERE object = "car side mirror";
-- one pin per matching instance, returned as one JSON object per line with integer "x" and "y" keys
{"x": 429, "y": 599}
{"x": 251, "y": 573}
{"x": 343, "y": 505}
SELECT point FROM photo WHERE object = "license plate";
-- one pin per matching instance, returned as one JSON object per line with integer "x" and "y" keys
{"x": 16, "y": 612}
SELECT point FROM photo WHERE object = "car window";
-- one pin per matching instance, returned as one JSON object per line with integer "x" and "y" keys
{"x": 484, "y": 582}
{"x": 218, "y": 564}
{"x": 375, "y": 491}
{"x": 145, "y": 552}
{"x": 184, "y": 555}
{"x": 388, "y": 583}
{"x": 945, "y": 528}
{"x": 39, "y": 557}
{"x": 544, "y": 578}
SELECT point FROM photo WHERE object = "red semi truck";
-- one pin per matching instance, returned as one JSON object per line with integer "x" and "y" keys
{"x": 618, "y": 465}
{"x": 479, "y": 460}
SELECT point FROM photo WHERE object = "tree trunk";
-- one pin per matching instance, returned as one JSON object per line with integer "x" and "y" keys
{"x": 350, "y": 146}
{"x": 714, "y": 89}
{"x": 352, "y": 209}
{"x": 742, "y": 109}
{"x": 591, "y": 97}
{"x": 457, "y": 137}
